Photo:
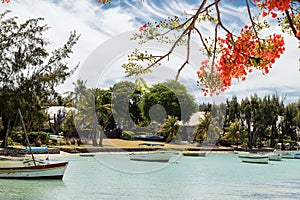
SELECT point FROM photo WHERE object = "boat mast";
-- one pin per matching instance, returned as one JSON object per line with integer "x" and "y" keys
{"x": 26, "y": 136}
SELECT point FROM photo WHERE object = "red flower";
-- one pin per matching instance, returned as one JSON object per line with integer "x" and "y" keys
{"x": 143, "y": 28}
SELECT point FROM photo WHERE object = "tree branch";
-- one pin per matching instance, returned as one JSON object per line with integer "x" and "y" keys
{"x": 291, "y": 23}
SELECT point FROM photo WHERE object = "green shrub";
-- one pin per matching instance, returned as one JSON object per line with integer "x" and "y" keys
{"x": 10, "y": 141}
{"x": 17, "y": 136}
{"x": 61, "y": 142}
{"x": 128, "y": 134}
{"x": 73, "y": 141}
{"x": 42, "y": 136}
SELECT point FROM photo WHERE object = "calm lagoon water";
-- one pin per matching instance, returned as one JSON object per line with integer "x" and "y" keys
{"x": 116, "y": 177}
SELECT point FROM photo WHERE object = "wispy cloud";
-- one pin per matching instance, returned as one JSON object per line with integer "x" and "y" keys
{"x": 98, "y": 24}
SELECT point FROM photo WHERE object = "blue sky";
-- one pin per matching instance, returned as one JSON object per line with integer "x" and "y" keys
{"x": 104, "y": 25}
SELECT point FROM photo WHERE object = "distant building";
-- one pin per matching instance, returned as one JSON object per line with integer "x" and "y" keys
{"x": 56, "y": 110}
{"x": 188, "y": 128}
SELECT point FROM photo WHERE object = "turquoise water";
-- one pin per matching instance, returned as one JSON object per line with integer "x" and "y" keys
{"x": 116, "y": 177}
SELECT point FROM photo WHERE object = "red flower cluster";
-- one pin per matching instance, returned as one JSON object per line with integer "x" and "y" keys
{"x": 247, "y": 52}
{"x": 270, "y": 6}
{"x": 5, "y": 1}
{"x": 142, "y": 28}
{"x": 239, "y": 57}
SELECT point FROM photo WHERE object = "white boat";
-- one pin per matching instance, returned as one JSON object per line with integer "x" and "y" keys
{"x": 297, "y": 155}
{"x": 287, "y": 154}
{"x": 42, "y": 171}
{"x": 158, "y": 156}
{"x": 254, "y": 158}
{"x": 34, "y": 168}
{"x": 274, "y": 156}
{"x": 11, "y": 158}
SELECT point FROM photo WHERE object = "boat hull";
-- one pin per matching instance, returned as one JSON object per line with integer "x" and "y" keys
{"x": 152, "y": 156}
{"x": 254, "y": 159}
{"x": 274, "y": 157}
{"x": 194, "y": 153}
{"x": 287, "y": 154}
{"x": 47, "y": 171}
{"x": 297, "y": 155}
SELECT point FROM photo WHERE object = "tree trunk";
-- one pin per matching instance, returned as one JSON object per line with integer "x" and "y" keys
{"x": 94, "y": 131}
{"x": 101, "y": 138}
{"x": 250, "y": 143}
{"x": 6, "y": 124}
{"x": 273, "y": 136}
{"x": 254, "y": 137}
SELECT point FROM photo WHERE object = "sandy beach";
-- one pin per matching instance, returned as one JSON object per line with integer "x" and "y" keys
{"x": 119, "y": 146}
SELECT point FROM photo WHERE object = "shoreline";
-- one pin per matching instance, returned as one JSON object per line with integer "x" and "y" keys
{"x": 126, "y": 146}
{"x": 18, "y": 152}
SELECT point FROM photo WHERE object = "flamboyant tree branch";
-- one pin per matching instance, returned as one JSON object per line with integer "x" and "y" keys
{"x": 291, "y": 24}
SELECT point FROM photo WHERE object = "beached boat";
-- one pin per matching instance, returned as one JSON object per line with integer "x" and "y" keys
{"x": 161, "y": 156}
{"x": 254, "y": 158}
{"x": 195, "y": 153}
{"x": 274, "y": 156}
{"x": 11, "y": 158}
{"x": 150, "y": 138}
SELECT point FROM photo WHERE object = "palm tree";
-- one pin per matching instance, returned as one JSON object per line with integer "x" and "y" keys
{"x": 79, "y": 90}
{"x": 86, "y": 117}
{"x": 103, "y": 110}
{"x": 206, "y": 129}
{"x": 171, "y": 127}
{"x": 234, "y": 133}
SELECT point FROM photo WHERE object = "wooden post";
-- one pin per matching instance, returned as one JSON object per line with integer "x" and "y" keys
{"x": 26, "y": 137}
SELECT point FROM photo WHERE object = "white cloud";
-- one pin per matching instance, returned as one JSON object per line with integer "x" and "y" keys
{"x": 97, "y": 24}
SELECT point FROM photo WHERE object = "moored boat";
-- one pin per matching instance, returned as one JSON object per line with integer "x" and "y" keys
{"x": 254, "y": 158}
{"x": 195, "y": 153}
{"x": 287, "y": 154}
{"x": 297, "y": 155}
{"x": 43, "y": 171}
{"x": 160, "y": 156}
{"x": 87, "y": 154}
{"x": 33, "y": 168}
{"x": 274, "y": 156}
{"x": 156, "y": 156}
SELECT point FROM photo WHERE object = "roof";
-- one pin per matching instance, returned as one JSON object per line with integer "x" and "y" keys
{"x": 194, "y": 119}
